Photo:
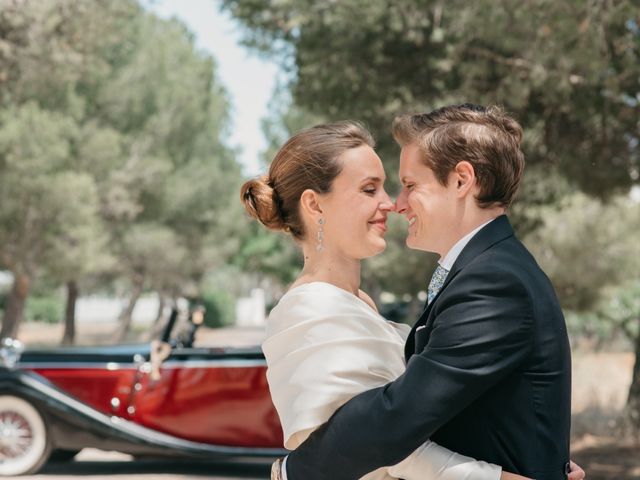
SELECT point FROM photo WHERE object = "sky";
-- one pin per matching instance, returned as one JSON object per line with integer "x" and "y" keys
{"x": 248, "y": 78}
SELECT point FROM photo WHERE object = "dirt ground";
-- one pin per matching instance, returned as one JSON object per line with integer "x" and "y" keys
{"x": 599, "y": 392}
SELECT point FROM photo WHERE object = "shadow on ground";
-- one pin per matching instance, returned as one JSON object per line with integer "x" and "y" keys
{"x": 608, "y": 459}
{"x": 181, "y": 468}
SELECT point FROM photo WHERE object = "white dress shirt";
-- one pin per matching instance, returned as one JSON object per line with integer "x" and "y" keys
{"x": 453, "y": 254}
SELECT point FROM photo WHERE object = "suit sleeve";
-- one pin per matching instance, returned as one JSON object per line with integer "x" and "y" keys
{"x": 482, "y": 332}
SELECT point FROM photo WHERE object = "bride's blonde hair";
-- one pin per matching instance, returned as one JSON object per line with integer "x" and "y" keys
{"x": 308, "y": 160}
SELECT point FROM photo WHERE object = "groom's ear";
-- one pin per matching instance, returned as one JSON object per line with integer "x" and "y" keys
{"x": 310, "y": 204}
{"x": 465, "y": 178}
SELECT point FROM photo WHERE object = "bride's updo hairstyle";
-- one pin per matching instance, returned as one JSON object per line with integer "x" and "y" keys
{"x": 308, "y": 160}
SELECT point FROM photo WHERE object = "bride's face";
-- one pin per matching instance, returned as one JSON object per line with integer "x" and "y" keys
{"x": 355, "y": 210}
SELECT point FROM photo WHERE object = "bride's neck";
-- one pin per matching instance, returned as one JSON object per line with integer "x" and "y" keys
{"x": 331, "y": 267}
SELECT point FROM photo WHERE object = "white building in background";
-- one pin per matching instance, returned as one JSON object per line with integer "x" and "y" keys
{"x": 250, "y": 311}
{"x": 107, "y": 309}
{"x": 6, "y": 280}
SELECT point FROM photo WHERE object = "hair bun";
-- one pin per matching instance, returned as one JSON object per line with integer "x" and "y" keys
{"x": 260, "y": 201}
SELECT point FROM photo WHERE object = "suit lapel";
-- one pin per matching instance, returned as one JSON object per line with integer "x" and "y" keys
{"x": 494, "y": 232}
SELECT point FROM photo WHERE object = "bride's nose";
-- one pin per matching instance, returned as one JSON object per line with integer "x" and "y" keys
{"x": 387, "y": 204}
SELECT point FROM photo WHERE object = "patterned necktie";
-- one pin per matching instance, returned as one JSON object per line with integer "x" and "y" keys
{"x": 437, "y": 280}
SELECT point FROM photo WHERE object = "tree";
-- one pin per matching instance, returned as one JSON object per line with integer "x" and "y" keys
{"x": 586, "y": 246}
{"x": 119, "y": 105}
{"x": 571, "y": 81}
{"x": 46, "y": 206}
{"x": 183, "y": 176}
{"x": 54, "y": 54}
{"x": 621, "y": 308}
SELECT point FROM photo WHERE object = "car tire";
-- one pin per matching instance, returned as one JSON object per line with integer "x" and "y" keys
{"x": 24, "y": 441}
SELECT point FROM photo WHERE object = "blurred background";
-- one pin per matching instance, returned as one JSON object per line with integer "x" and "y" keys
{"x": 127, "y": 128}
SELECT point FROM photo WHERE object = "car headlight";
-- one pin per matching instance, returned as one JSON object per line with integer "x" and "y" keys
{"x": 10, "y": 351}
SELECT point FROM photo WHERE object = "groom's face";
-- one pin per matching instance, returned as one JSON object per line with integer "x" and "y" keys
{"x": 428, "y": 205}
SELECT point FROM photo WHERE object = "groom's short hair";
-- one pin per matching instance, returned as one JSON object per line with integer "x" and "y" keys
{"x": 486, "y": 137}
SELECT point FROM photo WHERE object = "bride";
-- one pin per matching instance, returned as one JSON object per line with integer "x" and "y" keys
{"x": 326, "y": 341}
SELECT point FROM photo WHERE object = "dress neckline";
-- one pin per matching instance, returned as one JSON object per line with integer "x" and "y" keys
{"x": 335, "y": 287}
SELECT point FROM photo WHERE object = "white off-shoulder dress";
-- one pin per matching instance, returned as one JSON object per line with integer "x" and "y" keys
{"x": 324, "y": 346}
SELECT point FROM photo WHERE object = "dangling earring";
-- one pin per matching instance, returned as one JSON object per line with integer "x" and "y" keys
{"x": 320, "y": 237}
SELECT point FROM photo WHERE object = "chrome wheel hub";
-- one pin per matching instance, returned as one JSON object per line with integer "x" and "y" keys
{"x": 16, "y": 436}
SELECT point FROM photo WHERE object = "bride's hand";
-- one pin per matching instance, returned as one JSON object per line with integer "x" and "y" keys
{"x": 577, "y": 473}
{"x": 276, "y": 470}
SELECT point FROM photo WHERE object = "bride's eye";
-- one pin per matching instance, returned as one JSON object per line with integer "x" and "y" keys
{"x": 369, "y": 190}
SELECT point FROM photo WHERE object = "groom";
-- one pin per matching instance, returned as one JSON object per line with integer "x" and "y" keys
{"x": 488, "y": 361}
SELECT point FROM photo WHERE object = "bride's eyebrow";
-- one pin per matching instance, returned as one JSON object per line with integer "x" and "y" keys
{"x": 373, "y": 179}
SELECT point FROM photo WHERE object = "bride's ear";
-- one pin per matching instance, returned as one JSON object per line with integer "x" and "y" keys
{"x": 310, "y": 205}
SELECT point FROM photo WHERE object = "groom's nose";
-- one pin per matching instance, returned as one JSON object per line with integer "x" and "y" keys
{"x": 401, "y": 202}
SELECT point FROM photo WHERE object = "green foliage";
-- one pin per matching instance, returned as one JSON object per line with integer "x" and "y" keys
{"x": 271, "y": 254}
{"x": 586, "y": 245}
{"x": 46, "y": 309}
{"x": 621, "y": 308}
{"x": 220, "y": 308}
{"x": 567, "y": 70}
{"x": 48, "y": 208}
{"x": 112, "y": 153}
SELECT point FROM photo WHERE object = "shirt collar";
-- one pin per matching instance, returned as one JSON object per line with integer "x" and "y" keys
{"x": 452, "y": 255}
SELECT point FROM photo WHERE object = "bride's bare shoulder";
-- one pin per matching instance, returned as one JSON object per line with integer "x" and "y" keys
{"x": 366, "y": 298}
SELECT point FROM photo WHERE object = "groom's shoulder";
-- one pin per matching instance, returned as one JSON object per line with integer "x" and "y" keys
{"x": 509, "y": 260}
{"x": 506, "y": 259}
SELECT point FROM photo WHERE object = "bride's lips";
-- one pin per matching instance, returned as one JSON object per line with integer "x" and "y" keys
{"x": 380, "y": 223}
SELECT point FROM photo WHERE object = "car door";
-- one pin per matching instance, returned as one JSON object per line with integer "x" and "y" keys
{"x": 211, "y": 395}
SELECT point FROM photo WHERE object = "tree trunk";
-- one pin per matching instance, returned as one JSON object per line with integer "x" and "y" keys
{"x": 69, "y": 336}
{"x": 127, "y": 312}
{"x": 632, "y": 410}
{"x": 162, "y": 302}
{"x": 15, "y": 306}
{"x": 158, "y": 323}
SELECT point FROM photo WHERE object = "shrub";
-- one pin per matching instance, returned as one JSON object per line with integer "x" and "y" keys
{"x": 47, "y": 309}
{"x": 220, "y": 308}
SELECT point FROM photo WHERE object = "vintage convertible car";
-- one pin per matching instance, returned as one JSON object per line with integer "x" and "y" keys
{"x": 166, "y": 398}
